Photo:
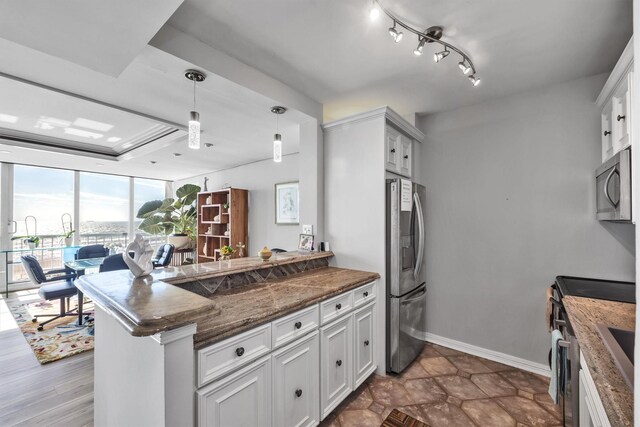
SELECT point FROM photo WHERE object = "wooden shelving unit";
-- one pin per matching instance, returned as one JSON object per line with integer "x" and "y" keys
{"x": 228, "y": 226}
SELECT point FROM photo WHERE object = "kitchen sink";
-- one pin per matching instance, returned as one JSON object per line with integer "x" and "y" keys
{"x": 620, "y": 343}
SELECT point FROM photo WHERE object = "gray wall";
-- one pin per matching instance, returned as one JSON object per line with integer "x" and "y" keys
{"x": 259, "y": 178}
{"x": 510, "y": 205}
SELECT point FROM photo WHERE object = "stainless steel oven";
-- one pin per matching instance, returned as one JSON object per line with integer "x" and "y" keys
{"x": 613, "y": 188}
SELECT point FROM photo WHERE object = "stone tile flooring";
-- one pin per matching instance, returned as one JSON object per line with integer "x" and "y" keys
{"x": 445, "y": 387}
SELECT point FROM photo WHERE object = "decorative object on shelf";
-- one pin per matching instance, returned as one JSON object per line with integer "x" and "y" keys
{"x": 208, "y": 231}
{"x": 226, "y": 205}
{"x": 227, "y": 232}
{"x": 194, "y": 117}
{"x": 140, "y": 265}
{"x": 208, "y": 200}
{"x": 287, "y": 203}
{"x": 204, "y": 185}
{"x": 265, "y": 253}
{"x": 204, "y": 248}
{"x": 174, "y": 217}
{"x": 277, "y": 138}
{"x": 306, "y": 242}
{"x": 430, "y": 35}
{"x": 216, "y": 218}
{"x": 324, "y": 247}
{"x": 226, "y": 251}
{"x": 241, "y": 247}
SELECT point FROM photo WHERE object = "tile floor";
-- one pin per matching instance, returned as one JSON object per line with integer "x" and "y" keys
{"x": 445, "y": 387}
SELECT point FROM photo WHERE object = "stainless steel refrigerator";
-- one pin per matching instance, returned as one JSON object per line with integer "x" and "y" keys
{"x": 405, "y": 275}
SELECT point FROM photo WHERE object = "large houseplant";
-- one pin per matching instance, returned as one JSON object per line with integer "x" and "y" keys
{"x": 177, "y": 217}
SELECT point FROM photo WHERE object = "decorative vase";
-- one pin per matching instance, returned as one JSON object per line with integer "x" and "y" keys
{"x": 180, "y": 241}
{"x": 140, "y": 264}
{"x": 204, "y": 249}
{"x": 265, "y": 253}
{"x": 225, "y": 257}
{"x": 68, "y": 241}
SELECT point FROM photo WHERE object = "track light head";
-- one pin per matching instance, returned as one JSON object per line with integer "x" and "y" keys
{"x": 466, "y": 69}
{"x": 474, "y": 80}
{"x": 395, "y": 34}
{"x": 418, "y": 50}
{"x": 437, "y": 57}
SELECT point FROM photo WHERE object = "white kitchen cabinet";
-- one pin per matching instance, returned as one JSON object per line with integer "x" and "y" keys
{"x": 296, "y": 387}
{"x": 406, "y": 156}
{"x": 336, "y": 363}
{"x": 592, "y": 412}
{"x": 615, "y": 103}
{"x": 363, "y": 344}
{"x": 241, "y": 399}
{"x": 393, "y": 147}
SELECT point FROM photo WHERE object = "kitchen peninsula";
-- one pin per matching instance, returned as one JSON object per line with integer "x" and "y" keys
{"x": 223, "y": 342}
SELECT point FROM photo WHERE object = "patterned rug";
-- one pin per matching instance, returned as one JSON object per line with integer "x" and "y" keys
{"x": 400, "y": 419}
{"x": 60, "y": 338}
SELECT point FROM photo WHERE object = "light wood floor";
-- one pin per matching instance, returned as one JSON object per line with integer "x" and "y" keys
{"x": 60, "y": 393}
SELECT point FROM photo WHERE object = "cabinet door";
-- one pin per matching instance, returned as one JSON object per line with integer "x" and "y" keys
{"x": 406, "y": 158}
{"x": 607, "y": 131}
{"x": 336, "y": 363}
{"x": 363, "y": 344}
{"x": 296, "y": 387}
{"x": 241, "y": 399}
{"x": 393, "y": 148}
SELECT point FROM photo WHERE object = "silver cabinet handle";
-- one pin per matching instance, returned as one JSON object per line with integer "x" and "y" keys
{"x": 606, "y": 186}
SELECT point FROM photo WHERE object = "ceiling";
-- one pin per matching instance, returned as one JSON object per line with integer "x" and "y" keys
{"x": 326, "y": 49}
{"x": 330, "y": 50}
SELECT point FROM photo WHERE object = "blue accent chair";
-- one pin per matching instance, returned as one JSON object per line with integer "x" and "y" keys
{"x": 163, "y": 256}
{"x": 113, "y": 263}
{"x": 92, "y": 251}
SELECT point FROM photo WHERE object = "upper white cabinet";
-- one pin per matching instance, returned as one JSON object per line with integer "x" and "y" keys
{"x": 398, "y": 155}
{"x": 615, "y": 102}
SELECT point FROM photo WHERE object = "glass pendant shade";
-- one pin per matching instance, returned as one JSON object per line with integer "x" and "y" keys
{"x": 194, "y": 130}
{"x": 277, "y": 148}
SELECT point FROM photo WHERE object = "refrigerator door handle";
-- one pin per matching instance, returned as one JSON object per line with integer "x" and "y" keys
{"x": 415, "y": 297}
{"x": 419, "y": 260}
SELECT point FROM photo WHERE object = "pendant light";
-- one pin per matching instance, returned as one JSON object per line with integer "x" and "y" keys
{"x": 194, "y": 117}
{"x": 277, "y": 138}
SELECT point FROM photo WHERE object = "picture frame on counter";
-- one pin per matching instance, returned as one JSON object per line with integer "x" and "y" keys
{"x": 306, "y": 242}
{"x": 287, "y": 203}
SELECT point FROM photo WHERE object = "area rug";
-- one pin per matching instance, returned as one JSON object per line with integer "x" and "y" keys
{"x": 60, "y": 338}
{"x": 400, "y": 419}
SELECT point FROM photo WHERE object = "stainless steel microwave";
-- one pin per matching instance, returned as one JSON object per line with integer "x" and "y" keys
{"x": 613, "y": 188}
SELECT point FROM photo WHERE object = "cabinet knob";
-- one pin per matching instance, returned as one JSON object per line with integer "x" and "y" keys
{"x": 338, "y": 306}
{"x": 366, "y": 342}
{"x": 393, "y": 150}
{"x": 298, "y": 392}
{"x": 607, "y": 132}
{"x": 406, "y": 156}
{"x": 620, "y": 117}
{"x": 298, "y": 325}
{"x": 365, "y": 294}
{"x": 240, "y": 351}
{"x": 339, "y": 362}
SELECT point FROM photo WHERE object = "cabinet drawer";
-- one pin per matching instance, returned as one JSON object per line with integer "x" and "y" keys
{"x": 296, "y": 387}
{"x": 335, "y": 307}
{"x": 228, "y": 355}
{"x": 364, "y": 294}
{"x": 293, "y": 326}
{"x": 241, "y": 399}
{"x": 363, "y": 344}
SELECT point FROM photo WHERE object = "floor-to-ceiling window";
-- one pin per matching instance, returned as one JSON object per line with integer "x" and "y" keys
{"x": 145, "y": 190}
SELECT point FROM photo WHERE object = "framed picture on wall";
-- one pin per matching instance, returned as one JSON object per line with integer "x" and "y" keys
{"x": 287, "y": 203}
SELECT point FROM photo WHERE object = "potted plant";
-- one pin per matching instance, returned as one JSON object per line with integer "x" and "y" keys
{"x": 32, "y": 242}
{"x": 177, "y": 218}
{"x": 68, "y": 238}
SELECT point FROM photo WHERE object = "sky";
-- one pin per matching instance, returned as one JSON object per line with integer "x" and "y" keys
{"x": 48, "y": 193}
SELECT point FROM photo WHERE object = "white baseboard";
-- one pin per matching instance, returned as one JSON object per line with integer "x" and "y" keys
{"x": 496, "y": 356}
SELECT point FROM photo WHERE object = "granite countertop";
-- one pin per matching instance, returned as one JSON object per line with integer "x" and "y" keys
{"x": 584, "y": 315}
{"x": 157, "y": 303}
{"x": 252, "y": 305}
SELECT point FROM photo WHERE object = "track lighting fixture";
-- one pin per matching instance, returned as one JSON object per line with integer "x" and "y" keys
{"x": 395, "y": 34}
{"x": 437, "y": 57}
{"x": 464, "y": 68}
{"x": 277, "y": 138}
{"x": 430, "y": 35}
{"x": 194, "y": 116}
{"x": 374, "y": 12}
{"x": 418, "y": 50}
